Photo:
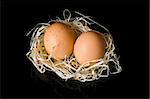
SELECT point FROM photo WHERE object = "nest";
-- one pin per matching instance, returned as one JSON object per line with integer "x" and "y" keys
{"x": 69, "y": 68}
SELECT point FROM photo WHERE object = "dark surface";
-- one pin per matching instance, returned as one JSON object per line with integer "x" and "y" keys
{"x": 128, "y": 23}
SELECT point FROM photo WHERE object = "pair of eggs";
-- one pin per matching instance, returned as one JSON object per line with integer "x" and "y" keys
{"x": 60, "y": 41}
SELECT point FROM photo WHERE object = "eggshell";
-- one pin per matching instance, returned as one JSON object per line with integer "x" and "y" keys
{"x": 89, "y": 46}
{"x": 59, "y": 40}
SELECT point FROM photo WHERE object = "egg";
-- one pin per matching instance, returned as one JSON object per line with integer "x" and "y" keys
{"x": 59, "y": 40}
{"x": 89, "y": 46}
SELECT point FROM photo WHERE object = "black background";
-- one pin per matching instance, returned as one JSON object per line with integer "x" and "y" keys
{"x": 128, "y": 23}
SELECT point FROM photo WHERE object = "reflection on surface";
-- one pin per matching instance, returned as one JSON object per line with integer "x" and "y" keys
{"x": 69, "y": 88}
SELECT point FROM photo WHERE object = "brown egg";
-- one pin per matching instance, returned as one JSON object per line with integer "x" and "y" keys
{"x": 59, "y": 40}
{"x": 89, "y": 46}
